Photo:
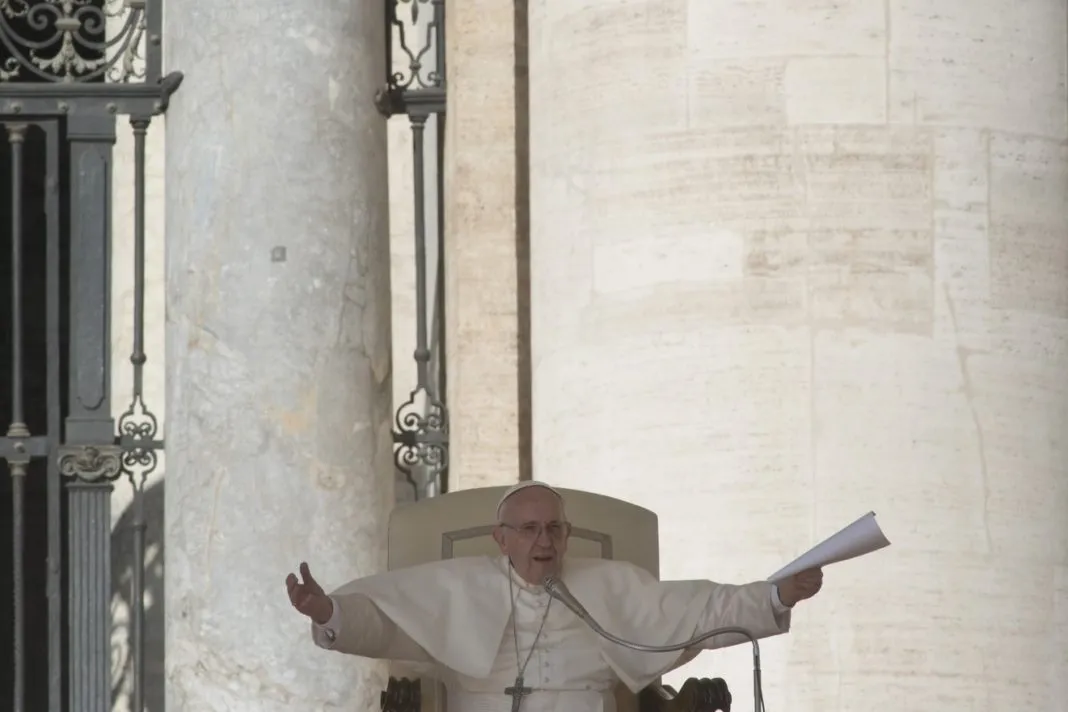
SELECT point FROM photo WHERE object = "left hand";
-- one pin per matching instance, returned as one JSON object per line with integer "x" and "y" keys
{"x": 800, "y": 586}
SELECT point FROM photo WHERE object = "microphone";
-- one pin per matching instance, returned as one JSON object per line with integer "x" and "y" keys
{"x": 558, "y": 590}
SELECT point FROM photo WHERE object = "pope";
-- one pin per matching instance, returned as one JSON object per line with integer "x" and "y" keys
{"x": 500, "y": 642}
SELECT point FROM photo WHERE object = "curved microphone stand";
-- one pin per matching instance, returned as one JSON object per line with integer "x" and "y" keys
{"x": 556, "y": 588}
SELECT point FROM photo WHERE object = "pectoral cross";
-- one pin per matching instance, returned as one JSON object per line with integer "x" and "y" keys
{"x": 517, "y": 693}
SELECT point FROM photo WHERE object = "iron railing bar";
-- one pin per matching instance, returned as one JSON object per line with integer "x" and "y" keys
{"x": 16, "y": 137}
{"x": 422, "y": 353}
{"x": 138, "y": 598}
{"x": 439, "y": 41}
{"x": 390, "y": 8}
{"x": 55, "y": 416}
{"x": 437, "y": 341}
{"x": 153, "y": 42}
{"x": 438, "y": 345}
{"x": 18, "y": 501}
{"x": 161, "y": 90}
{"x": 131, "y": 443}
{"x": 138, "y": 358}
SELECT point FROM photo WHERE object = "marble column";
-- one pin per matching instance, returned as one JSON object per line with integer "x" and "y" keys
{"x": 278, "y": 391}
{"x": 485, "y": 244}
{"x": 792, "y": 262}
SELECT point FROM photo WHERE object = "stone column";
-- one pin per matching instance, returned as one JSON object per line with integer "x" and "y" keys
{"x": 278, "y": 398}
{"x": 792, "y": 262}
{"x": 485, "y": 244}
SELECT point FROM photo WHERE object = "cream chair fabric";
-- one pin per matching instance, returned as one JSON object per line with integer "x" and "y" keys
{"x": 461, "y": 524}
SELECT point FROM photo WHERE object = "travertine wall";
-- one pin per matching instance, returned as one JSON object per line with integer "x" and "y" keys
{"x": 481, "y": 261}
{"x": 795, "y": 261}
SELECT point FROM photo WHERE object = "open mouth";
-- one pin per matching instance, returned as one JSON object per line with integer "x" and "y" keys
{"x": 544, "y": 559}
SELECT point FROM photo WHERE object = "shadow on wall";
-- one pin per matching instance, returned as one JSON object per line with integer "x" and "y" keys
{"x": 122, "y": 572}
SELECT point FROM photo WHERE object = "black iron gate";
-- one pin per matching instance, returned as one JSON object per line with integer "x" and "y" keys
{"x": 72, "y": 74}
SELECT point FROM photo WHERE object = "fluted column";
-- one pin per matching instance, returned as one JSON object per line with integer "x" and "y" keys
{"x": 278, "y": 392}
{"x": 792, "y": 262}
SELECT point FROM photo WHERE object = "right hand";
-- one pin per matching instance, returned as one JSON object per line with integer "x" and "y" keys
{"x": 308, "y": 596}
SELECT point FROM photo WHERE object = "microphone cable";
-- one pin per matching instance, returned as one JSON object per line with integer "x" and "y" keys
{"x": 558, "y": 590}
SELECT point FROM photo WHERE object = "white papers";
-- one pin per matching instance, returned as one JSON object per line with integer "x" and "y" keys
{"x": 859, "y": 538}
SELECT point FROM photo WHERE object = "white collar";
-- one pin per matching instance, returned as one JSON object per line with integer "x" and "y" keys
{"x": 507, "y": 569}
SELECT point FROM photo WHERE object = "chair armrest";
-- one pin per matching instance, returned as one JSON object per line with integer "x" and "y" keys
{"x": 696, "y": 695}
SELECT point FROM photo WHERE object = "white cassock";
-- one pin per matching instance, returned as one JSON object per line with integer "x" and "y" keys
{"x": 457, "y": 615}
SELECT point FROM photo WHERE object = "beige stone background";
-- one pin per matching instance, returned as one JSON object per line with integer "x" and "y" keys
{"x": 795, "y": 261}
{"x": 484, "y": 231}
{"x": 789, "y": 262}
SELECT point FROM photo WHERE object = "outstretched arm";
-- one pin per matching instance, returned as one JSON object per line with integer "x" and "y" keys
{"x": 762, "y": 608}
{"x": 755, "y": 607}
{"x": 357, "y": 627}
{"x": 351, "y": 623}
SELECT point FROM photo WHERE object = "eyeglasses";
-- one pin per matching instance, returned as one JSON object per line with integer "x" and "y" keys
{"x": 533, "y": 530}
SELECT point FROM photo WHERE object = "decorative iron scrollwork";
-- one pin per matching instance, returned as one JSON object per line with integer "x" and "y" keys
{"x": 416, "y": 30}
{"x": 405, "y": 17}
{"x": 138, "y": 429}
{"x": 90, "y": 463}
{"x": 422, "y": 436}
{"x": 68, "y": 40}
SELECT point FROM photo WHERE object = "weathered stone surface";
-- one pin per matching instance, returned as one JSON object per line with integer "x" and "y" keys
{"x": 278, "y": 398}
{"x": 825, "y": 274}
{"x": 485, "y": 230}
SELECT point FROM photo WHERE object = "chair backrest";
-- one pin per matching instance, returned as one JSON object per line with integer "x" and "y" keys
{"x": 461, "y": 524}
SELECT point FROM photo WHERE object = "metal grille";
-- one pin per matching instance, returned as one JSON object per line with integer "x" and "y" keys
{"x": 415, "y": 88}
{"x": 71, "y": 73}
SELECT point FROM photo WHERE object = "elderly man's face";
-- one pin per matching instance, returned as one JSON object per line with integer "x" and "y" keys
{"x": 533, "y": 533}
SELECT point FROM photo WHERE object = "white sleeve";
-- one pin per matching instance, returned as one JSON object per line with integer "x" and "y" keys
{"x": 325, "y": 635}
{"x": 776, "y": 602}
{"x": 751, "y": 606}
{"x": 357, "y": 627}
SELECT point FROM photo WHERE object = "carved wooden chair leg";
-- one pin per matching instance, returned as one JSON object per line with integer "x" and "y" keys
{"x": 706, "y": 695}
{"x": 696, "y": 695}
{"x": 403, "y": 695}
